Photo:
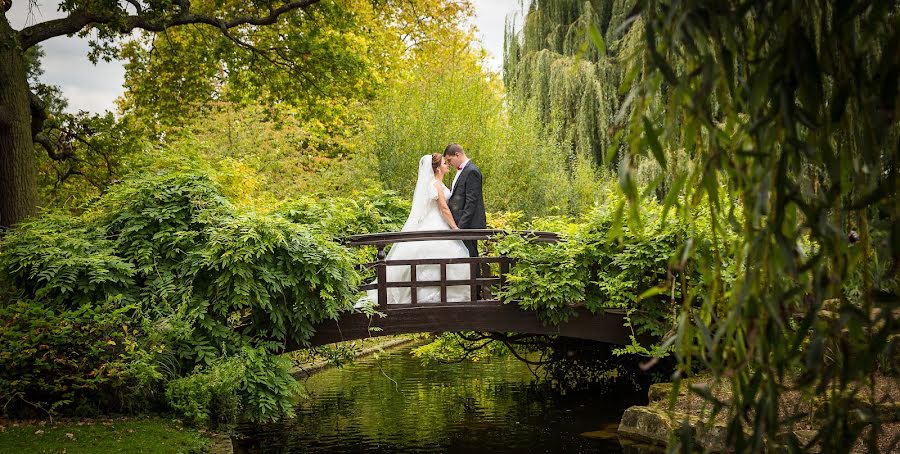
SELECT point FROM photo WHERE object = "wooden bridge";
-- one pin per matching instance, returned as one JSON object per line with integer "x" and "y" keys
{"x": 483, "y": 312}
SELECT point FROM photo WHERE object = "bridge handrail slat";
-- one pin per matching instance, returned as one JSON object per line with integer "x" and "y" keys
{"x": 437, "y": 261}
{"x": 419, "y": 284}
{"x": 385, "y": 238}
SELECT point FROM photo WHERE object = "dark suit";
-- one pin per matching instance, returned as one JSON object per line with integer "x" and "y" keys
{"x": 467, "y": 203}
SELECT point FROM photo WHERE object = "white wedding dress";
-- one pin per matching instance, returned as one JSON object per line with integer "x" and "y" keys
{"x": 425, "y": 215}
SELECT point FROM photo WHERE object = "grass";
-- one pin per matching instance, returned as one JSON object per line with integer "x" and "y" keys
{"x": 145, "y": 435}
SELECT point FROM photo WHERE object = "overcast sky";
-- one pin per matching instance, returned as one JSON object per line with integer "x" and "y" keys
{"x": 95, "y": 88}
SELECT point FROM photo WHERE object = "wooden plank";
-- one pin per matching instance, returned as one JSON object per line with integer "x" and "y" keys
{"x": 504, "y": 270}
{"x": 456, "y": 317}
{"x": 438, "y": 261}
{"x": 419, "y": 284}
{"x": 413, "y": 291}
{"x": 443, "y": 282}
{"x": 473, "y": 281}
{"x": 385, "y": 238}
{"x": 381, "y": 276}
{"x": 486, "y": 293}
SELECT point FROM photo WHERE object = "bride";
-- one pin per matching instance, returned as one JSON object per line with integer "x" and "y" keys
{"x": 429, "y": 212}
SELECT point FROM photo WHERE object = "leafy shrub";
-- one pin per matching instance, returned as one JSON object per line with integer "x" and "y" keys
{"x": 545, "y": 278}
{"x": 86, "y": 358}
{"x": 339, "y": 217}
{"x": 63, "y": 262}
{"x": 211, "y": 396}
{"x": 217, "y": 394}
{"x": 202, "y": 278}
{"x": 603, "y": 264}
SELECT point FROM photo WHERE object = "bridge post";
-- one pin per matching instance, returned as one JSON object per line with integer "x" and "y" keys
{"x": 443, "y": 282}
{"x": 473, "y": 282}
{"x": 381, "y": 275}
{"x": 413, "y": 289}
{"x": 504, "y": 270}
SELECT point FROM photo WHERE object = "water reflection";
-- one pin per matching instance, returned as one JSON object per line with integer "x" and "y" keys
{"x": 394, "y": 403}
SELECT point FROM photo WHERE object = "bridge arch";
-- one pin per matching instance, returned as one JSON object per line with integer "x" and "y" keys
{"x": 456, "y": 317}
{"x": 482, "y": 313}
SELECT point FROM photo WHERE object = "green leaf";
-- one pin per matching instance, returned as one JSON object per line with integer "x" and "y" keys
{"x": 597, "y": 39}
{"x": 653, "y": 140}
{"x": 652, "y": 291}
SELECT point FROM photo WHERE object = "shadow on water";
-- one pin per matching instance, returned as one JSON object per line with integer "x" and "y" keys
{"x": 395, "y": 403}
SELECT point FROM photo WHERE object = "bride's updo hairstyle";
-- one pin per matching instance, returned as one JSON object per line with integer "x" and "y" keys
{"x": 436, "y": 160}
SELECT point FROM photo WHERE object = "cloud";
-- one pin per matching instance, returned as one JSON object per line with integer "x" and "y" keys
{"x": 490, "y": 19}
{"x": 94, "y": 88}
{"x": 89, "y": 87}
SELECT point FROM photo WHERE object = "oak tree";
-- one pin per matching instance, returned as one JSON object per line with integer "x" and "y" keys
{"x": 23, "y": 112}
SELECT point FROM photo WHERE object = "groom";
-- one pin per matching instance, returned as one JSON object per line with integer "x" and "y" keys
{"x": 466, "y": 201}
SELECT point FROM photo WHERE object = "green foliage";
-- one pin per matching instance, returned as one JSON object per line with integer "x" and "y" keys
{"x": 84, "y": 359}
{"x": 317, "y": 67}
{"x": 565, "y": 63}
{"x": 171, "y": 78}
{"x": 201, "y": 278}
{"x": 544, "y": 278}
{"x": 270, "y": 389}
{"x": 218, "y": 394}
{"x": 366, "y": 212}
{"x": 93, "y": 151}
{"x": 522, "y": 170}
{"x": 65, "y": 263}
{"x": 787, "y": 115}
{"x": 262, "y": 155}
{"x": 606, "y": 264}
{"x": 340, "y": 217}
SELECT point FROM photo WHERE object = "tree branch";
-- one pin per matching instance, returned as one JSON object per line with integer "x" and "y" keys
{"x": 38, "y": 113}
{"x": 287, "y": 63}
{"x": 137, "y": 6}
{"x": 52, "y": 152}
{"x": 79, "y": 19}
{"x": 38, "y": 117}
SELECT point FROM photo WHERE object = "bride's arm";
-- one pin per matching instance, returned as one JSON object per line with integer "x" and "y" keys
{"x": 442, "y": 204}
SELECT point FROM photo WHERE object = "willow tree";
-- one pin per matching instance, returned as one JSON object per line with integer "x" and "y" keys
{"x": 572, "y": 80}
{"x": 22, "y": 112}
{"x": 790, "y": 112}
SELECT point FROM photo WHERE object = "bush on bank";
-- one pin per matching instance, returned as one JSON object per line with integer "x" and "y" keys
{"x": 158, "y": 284}
{"x": 604, "y": 263}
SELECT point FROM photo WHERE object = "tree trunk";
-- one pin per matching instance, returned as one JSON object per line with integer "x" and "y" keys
{"x": 18, "y": 171}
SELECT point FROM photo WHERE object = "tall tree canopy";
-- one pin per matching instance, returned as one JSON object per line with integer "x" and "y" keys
{"x": 23, "y": 112}
{"x": 320, "y": 63}
{"x": 574, "y": 85}
{"x": 283, "y": 124}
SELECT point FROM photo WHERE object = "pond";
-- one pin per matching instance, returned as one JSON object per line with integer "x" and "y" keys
{"x": 393, "y": 402}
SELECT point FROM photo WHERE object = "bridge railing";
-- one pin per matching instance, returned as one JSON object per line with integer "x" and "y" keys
{"x": 481, "y": 274}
